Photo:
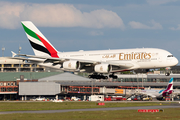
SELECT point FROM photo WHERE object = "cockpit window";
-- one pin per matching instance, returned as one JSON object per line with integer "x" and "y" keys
{"x": 170, "y": 56}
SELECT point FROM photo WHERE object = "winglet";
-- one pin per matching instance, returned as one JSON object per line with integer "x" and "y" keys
{"x": 13, "y": 54}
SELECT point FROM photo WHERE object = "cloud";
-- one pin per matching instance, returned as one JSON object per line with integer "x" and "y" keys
{"x": 173, "y": 28}
{"x": 10, "y": 14}
{"x": 96, "y": 33}
{"x": 138, "y": 25}
{"x": 159, "y": 2}
{"x": 56, "y": 15}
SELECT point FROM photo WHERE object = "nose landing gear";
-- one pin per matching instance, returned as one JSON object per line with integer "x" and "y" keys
{"x": 167, "y": 72}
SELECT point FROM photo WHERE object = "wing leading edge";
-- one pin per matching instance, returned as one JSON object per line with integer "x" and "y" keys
{"x": 44, "y": 59}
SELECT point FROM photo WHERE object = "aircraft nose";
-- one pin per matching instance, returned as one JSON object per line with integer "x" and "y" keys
{"x": 175, "y": 61}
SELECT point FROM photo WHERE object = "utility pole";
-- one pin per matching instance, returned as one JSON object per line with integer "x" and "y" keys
{"x": 92, "y": 86}
{"x": 142, "y": 79}
{"x": 19, "y": 60}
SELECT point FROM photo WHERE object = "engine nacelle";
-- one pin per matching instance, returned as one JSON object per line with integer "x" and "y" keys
{"x": 102, "y": 68}
{"x": 71, "y": 65}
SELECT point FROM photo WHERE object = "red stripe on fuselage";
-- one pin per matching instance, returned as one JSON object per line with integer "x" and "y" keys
{"x": 48, "y": 47}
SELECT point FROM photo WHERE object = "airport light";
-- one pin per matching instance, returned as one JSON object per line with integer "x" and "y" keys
{"x": 3, "y": 49}
{"x": 20, "y": 49}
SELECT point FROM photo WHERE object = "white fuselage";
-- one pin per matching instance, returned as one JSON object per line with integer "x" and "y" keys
{"x": 102, "y": 61}
{"x": 143, "y": 58}
{"x": 152, "y": 93}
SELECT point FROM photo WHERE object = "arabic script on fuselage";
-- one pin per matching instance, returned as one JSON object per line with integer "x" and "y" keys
{"x": 109, "y": 56}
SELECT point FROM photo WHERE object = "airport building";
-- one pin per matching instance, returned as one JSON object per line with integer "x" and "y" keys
{"x": 69, "y": 85}
{"x": 24, "y": 81}
{"x": 54, "y": 85}
{"x": 12, "y": 65}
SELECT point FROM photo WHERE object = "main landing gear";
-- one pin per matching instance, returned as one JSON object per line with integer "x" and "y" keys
{"x": 101, "y": 76}
{"x": 113, "y": 76}
{"x": 98, "y": 76}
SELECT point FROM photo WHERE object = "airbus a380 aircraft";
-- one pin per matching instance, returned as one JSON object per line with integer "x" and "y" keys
{"x": 96, "y": 62}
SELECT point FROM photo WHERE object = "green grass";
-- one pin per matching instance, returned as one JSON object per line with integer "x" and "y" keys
{"x": 168, "y": 114}
{"x": 24, "y": 106}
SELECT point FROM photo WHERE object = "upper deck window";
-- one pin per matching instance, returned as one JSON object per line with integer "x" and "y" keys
{"x": 170, "y": 56}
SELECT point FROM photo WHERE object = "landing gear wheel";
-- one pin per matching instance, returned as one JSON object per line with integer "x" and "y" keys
{"x": 167, "y": 74}
{"x": 113, "y": 76}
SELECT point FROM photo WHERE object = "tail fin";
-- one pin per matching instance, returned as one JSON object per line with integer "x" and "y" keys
{"x": 169, "y": 88}
{"x": 170, "y": 85}
{"x": 40, "y": 45}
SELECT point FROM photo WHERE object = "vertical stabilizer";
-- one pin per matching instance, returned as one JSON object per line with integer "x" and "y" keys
{"x": 40, "y": 45}
{"x": 170, "y": 85}
{"x": 169, "y": 88}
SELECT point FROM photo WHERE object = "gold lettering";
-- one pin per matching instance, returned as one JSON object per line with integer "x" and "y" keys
{"x": 120, "y": 56}
{"x": 69, "y": 65}
{"x": 142, "y": 55}
{"x": 133, "y": 56}
{"x": 145, "y": 56}
{"x": 127, "y": 56}
{"x": 114, "y": 55}
{"x": 149, "y": 54}
{"x": 109, "y": 56}
{"x": 138, "y": 56}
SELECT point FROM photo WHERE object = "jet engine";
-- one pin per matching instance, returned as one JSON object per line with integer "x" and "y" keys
{"x": 71, "y": 65}
{"x": 102, "y": 68}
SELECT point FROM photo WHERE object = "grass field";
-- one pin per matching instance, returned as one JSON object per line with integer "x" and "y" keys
{"x": 168, "y": 114}
{"x": 24, "y": 106}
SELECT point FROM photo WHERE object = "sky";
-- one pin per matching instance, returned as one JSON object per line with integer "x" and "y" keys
{"x": 73, "y": 25}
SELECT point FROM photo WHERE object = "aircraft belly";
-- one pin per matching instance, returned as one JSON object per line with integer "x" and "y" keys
{"x": 149, "y": 64}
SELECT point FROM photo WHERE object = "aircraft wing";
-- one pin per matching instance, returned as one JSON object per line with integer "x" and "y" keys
{"x": 36, "y": 60}
{"x": 120, "y": 64}
{"x": 31, "y": 59}
{"x": 115, "y": 63}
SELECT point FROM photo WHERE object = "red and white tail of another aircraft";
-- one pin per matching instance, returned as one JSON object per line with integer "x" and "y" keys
{"x": 97, "y": 62}
{"x": 157, "y": 93}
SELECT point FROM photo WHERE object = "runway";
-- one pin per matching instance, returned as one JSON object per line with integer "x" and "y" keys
{"x": 94, "y": 109}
